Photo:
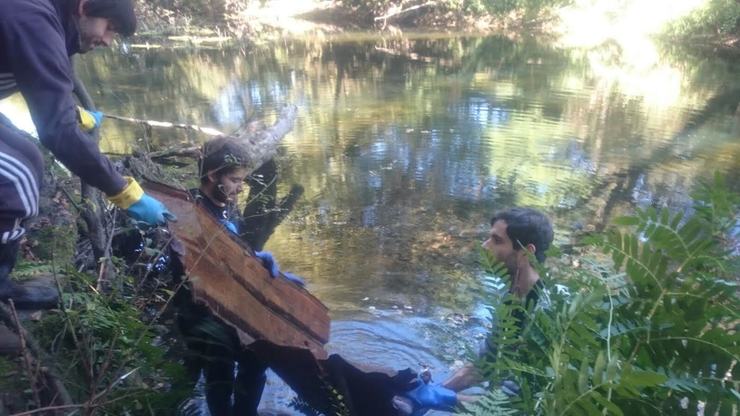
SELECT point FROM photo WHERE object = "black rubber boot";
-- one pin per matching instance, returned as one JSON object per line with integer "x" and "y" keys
{"x": 32, "y": 294}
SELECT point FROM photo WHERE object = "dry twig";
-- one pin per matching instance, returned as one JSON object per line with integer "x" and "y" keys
{"x": 27, "y": 359}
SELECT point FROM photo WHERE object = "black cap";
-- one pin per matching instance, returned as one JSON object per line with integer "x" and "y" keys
{"x": 120, "y": 13}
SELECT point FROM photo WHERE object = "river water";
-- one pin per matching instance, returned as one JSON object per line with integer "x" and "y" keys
{"x": 405, "y": 146}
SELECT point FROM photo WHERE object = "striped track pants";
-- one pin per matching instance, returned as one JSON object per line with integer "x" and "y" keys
{"x": 21, "y": 169}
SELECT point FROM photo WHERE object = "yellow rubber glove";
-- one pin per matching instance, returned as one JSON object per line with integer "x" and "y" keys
{"x": 88, "y": 120}
{"x": 130, "y": 194}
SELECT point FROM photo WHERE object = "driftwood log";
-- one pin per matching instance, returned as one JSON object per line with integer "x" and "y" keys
{"x": 261, "y": 142}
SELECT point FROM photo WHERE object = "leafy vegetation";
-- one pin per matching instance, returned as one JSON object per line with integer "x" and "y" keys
{"x": 649, "y": 329}
{"x": 526, "y": 9}
{"x": 718, "y": 18}
{"x": 109, "y": 358}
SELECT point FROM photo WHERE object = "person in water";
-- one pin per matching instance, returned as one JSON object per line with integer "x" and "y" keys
{"x": 214, "y": 347}
{"x": 516, "y": 236}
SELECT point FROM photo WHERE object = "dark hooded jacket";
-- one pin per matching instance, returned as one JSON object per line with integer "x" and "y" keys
{"x": 37, "y": 39}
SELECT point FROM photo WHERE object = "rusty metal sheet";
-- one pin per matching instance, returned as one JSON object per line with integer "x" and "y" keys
{"x": 227, "y": 278}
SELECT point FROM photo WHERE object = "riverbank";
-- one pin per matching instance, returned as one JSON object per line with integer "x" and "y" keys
{"x": 271, "y": 20}
{"x": 578, "y": 24}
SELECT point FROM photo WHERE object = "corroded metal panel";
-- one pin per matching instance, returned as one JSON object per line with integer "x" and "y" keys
{"x": 226, "y": 277}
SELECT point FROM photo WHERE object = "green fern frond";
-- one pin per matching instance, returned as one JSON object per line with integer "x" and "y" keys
{"x": 493, "y": 403}
{"x": 27, "y": 269}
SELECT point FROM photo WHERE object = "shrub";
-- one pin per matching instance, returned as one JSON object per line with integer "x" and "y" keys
{"x": 650, "y": 329}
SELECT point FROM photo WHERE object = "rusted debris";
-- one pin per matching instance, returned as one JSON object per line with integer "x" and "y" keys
{"x": 280, "y": 321}
{"x": 227, "y": 278}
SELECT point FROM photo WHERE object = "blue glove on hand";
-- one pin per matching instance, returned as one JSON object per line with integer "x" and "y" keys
{"x": 432, "y": 396}
{"x": 88, "y": 120}
{"x": 150, "y": 211}
{"x": 229, "y": 226}
{"x": 98, "y": 116}
{"x": 269, "y": 262}
{"x": 294, "y": 278}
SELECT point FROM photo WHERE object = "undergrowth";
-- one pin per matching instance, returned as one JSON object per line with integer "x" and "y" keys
{"x": 647, "y": 325}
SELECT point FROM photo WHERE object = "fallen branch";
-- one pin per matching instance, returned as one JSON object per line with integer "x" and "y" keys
{"x": 261, "y": 142}
{"x": 166, "y": 124}
{"x": 192, "y": 152}
{"x": 395, "y": 14}
{"x": 27, "y": 359}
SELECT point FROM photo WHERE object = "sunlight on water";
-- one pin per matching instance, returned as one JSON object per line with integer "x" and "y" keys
{"x": 15, "y": 109}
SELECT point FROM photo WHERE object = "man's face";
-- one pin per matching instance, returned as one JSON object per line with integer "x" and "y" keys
{"x": 231, "y": 185}
{"x": 501, "y": 247}
{"x": 94, "y": 32}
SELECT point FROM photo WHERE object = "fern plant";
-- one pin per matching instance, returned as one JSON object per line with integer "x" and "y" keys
{"x": 651, "y": 329}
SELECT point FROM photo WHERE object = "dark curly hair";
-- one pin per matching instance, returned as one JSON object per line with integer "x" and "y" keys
{"x": 527, "y": 226}
{"x": 222, "y": 154}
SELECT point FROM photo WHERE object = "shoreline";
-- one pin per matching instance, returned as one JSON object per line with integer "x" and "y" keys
{"x": 259, "y": 26}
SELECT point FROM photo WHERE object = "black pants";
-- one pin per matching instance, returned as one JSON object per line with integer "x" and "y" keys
{"x": 21, "y": 169}
{"x": 8, "y": 256}
{"x": 214, "y": 347}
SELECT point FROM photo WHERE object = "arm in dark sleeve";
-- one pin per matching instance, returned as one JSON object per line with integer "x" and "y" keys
{"x": 43, "y": 72}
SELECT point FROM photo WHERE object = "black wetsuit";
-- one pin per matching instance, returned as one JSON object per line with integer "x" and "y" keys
{"x": 214, "y": 347}
{"x": 530, "y": 302}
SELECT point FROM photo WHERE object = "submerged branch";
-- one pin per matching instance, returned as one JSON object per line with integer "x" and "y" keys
{"x": 395, "y": 14}
{"x": 166, "y": 124}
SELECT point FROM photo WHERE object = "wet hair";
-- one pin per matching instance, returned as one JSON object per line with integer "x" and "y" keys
{"x": 222, "y": 154}
{"x": 526, "y": 226}
{"x": 120, "y": 13}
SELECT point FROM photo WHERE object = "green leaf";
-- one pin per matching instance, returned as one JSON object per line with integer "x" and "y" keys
{"x": 643, "y": 378}
{"x": 611, "y": 407}
{"x": 626, "y": 221}
{"x": 599, "y": 367}
{"x": 583, "y": 377}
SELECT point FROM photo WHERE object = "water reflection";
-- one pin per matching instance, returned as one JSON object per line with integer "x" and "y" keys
{"x": 405, "y": 146}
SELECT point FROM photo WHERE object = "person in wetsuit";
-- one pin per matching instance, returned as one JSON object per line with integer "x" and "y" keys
{"x": 515, "y": 236}
{"x": 214, "y": 346}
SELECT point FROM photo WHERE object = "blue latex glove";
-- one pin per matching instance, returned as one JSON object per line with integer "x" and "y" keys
{"x": 269, "y": 262}
{"x": 229, "y": 225}
{"x": 294, "y": 278}
{"x": 432, "y": 396}
{"x": 98, "y": 116}
{"x": 150, "y": 211}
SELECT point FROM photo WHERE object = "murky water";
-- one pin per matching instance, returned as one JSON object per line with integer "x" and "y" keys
{"x": 406, "y": 146}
